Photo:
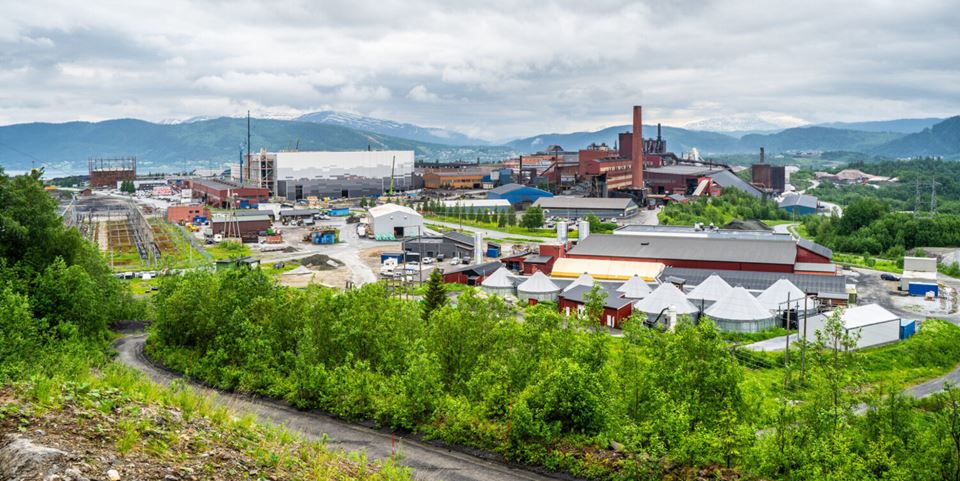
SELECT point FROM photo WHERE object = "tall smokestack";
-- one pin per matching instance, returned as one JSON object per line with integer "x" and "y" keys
{"x": 520, "y": 173}
{"x": 761, "y": 155}
{"x": 658, "y": 132}
{"x": 637, "y": 160}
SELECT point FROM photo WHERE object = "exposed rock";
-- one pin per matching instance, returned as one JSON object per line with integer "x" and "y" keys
{"x": 113, "y": 475}
{"x": 22, "y": 460}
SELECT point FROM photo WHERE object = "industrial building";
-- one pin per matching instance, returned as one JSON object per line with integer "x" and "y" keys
{"x": 392, "y": 221}
{"x": 224, "y": 196}
{"x": 706, "y": 248}
{"x": 246, "y": 227}
{"x": 828, "y": 290}
{"x": 108, "y": 172}
{"x": 616, "y": 308}
{"x": 341, "y": 174}
{"x": 258, "y": 170}
{"x": 919, "y": 271}
{"x": 519, "y": 196}
{"x": 577, "y": 207}
{"x": 449, "y": 245}
{"x": 181, "y": 214}
{"x": 454, "y": 179}
{"x": 770, "y": 178}
{"x": 799, "y": 204}
{"x": 471, "y": 275}
{"x": 871, "y": 325}
{"x": 479, "y": 205}
{"x": 739, "y": 311}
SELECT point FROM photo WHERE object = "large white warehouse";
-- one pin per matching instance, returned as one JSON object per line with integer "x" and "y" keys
{"x": 392, "y": 221}
{"x": 871, "y": 324}
{"x": 365, "y": 163}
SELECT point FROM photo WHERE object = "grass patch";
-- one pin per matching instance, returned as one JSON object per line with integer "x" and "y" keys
{"x": 750, "y": 337}
{"x": 228, "y": 250}
{"x": 875, "y": 263}
{"x": 507, "y": 229}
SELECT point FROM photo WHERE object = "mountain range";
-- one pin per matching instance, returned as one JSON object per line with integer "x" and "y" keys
{"x": 65, "y": 147}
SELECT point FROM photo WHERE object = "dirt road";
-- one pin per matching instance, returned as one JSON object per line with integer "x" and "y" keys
{"x": 428, "y": 462}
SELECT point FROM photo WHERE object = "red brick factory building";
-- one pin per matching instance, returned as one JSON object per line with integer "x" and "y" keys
{"x": 225, "y": 195}
{"x": 107, "y": 172}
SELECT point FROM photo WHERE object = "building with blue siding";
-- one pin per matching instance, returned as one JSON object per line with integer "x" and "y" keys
{"x": 799, "y": 204}
{"x": 519, "y": 196}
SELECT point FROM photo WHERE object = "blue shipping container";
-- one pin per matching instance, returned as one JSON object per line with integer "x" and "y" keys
{"x": 340, "y": 212}
{"x": 908, "y": 327}
{"x": 493, "y": 251}
{"x": 922, "y": 288}
{"x": 391, "y": 255}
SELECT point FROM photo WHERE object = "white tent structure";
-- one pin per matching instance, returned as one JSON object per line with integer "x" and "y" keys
{"x": 634, "y": 288}
{"x": 498, "y": 283}
{"x": 711, "y": 290}
{"x": 538, "y": 288}
{"x": 583, "y": 280}
{"x": 739, "y": 311}
{"x": 783, "y": 295}
{"x": 662, "y": 297}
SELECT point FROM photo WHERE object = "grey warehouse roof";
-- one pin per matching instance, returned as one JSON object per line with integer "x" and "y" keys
{"x": 801, "y": 200}
{"x": 815, "y": 248}
{"x": 704, "y": 246}
{"x": 758, "y": 281}
{"x": 613, "y": 299}
{"x": 584, "y": 203}
{"x": 507, "y": 188}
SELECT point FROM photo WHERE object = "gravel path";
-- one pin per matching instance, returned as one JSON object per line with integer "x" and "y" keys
{"x": 428, "y": 461}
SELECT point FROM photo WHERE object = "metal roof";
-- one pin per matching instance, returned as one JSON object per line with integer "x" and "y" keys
{"x": 706, "y": 231}
{"x": 815, "y": 248}
{"x": 555, "y": 202}
{"x": 725, "y": 178}
{"x": 240, "y": 218}
{"x": 583, "y": 280}
{"x": 387, "y": 209}
{"x": 578, "y": 294}
{"x": 759, "y": 281}
{"x": 762, "y": 250}
{"x": 801, "y": 200}
{"x": 459, "y": 237}
{"x": 477, "y": 203}
{"x": 860, "y": 316}
{"x": 477, "y": 269}
{"x": 684, "y": 170}
{"x": 634, "y": 288}
{"x": 536, "y": 259}
{"x": 506, "y": 188}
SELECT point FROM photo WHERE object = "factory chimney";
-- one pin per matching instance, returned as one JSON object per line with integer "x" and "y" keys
{"x": 477, "y": 248}
{"x": 520, "y": 173}
{"x": 761, "y": 155}
{"x": 637, "y": 160}
{"x": 658, "y": 133}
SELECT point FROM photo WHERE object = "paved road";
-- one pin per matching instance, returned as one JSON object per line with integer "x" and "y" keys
{"x": 487, "y": 233}
{"x": 428, "y": 462}
{"x": 772, "y": 344}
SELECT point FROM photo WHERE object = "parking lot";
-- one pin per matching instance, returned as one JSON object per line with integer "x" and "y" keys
{"x": 872, "y": 289}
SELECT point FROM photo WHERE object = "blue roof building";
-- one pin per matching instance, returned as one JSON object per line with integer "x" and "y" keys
{"x": 799, "y": 204}
{"x": 519, "y": 196}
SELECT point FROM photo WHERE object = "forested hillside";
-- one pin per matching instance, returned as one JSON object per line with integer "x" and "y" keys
{"x": 560, "y": 392}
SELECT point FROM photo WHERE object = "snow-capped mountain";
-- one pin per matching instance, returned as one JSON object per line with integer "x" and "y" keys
{"x": 390, "y": 127}
{"x": 746, "y": 123}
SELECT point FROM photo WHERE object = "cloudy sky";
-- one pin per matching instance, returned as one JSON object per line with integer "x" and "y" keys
{"x": 493, "y": 69}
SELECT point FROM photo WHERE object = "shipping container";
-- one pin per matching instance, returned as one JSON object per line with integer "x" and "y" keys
{"x": 922, "y": 288}
{"x": 908, "y": 327}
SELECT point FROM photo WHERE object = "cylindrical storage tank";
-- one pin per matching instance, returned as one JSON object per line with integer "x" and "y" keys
{"x": 539, "y": 288}
{"x": 664, "y": 296}
{"x": 499, "y": 283}
{"x": 583, "y": 230}
{"x": 739, "y": 311}
{"x": 562, "y": 232}
{"x": 477, "y": 248}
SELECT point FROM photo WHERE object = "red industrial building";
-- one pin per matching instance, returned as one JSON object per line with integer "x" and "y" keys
{"x": 180, "y": 214}
{"x": 224, "y": 195}
{"x": 616, "y": 308}
{"x": 246, "y": 227}
{"x": 471, "y": 275}
{"x": 529, "y": 263}
{"x": 686, "y": 247}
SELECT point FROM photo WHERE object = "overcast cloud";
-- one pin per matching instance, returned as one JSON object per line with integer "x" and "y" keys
{"x": 491, "y": 69}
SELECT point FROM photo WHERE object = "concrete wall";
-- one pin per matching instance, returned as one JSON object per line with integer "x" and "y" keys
{"x": 921, "y": 264}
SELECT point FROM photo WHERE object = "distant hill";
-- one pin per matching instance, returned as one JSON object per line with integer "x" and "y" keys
{"x": 389, "y": 127}
{"x": 903, "y": 126}
{"x": 66, "y": 147}
{"x": 816, "y": 138}
{"x": 942, "y": 139}
{"x": 677, "y": 139}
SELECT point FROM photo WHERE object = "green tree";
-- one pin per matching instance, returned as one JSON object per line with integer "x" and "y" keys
{"x": 436, "y": 294}
{"x": 128, "y": 187}
{"x": 532, "y": 218}
{"x": 511, "y": 216}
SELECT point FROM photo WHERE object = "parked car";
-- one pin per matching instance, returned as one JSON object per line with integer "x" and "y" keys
{"x": 889, "y": 277}
{"x": 454, "y": 261}
{"x": 427, "y": 260}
